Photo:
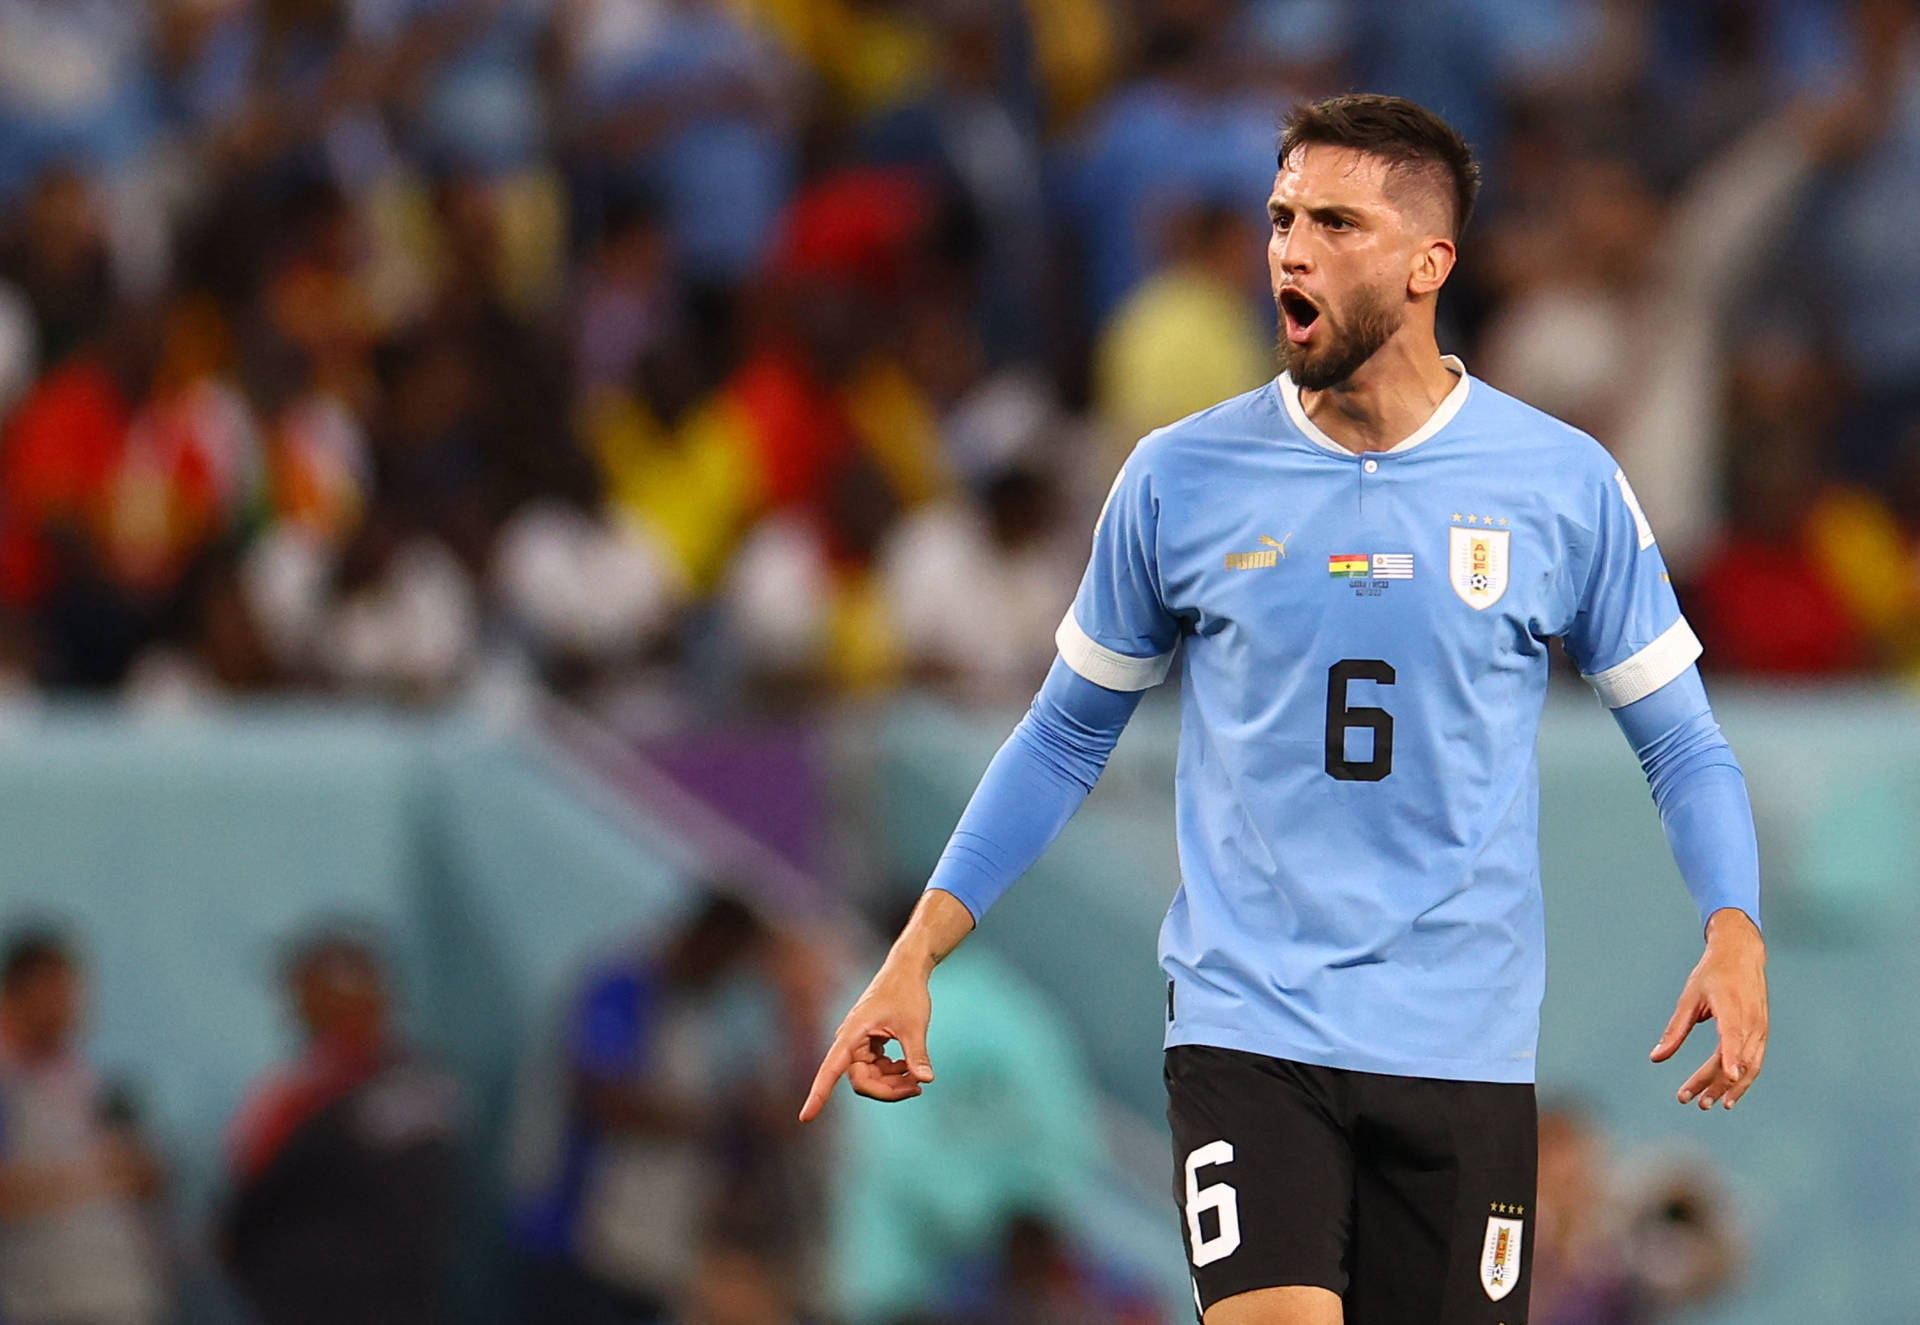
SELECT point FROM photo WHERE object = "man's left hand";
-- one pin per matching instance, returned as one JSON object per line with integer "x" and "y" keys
{"x": 1729, "y": 986}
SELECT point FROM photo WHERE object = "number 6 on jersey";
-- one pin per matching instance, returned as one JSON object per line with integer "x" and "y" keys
{"x": 1219, "y": 1198}
{"x": 1341, "y": 718}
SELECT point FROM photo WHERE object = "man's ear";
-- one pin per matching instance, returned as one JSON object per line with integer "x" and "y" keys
{"x": 1432, "y": 264}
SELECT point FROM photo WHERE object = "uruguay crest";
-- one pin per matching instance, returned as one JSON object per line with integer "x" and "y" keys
{"x": 1477, "y": 564}
{"x": 1500, "y": 1257}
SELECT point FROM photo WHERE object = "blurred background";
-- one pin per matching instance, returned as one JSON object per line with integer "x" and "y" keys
{"x": 522, "y": 521}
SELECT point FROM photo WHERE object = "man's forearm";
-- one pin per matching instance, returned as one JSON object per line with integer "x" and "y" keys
{"x": 935, "y": 929}
{"x": 1709, "y": 825}
{"x": 1702, "y": 795}
{"x": 1032, "y": 787}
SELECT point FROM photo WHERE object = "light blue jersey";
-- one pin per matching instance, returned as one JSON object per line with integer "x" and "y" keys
{"x": 1365, "y": 661}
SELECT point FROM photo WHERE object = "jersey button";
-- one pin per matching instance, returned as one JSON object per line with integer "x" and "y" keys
{"x": 1371, "y": 466}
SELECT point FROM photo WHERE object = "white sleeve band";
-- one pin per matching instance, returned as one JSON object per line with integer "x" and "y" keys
{"x": 1649, "y": 669}
{"x": 1102, "y": 666}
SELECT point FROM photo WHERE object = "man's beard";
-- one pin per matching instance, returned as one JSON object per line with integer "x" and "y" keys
{"x": 1366, "y": 324}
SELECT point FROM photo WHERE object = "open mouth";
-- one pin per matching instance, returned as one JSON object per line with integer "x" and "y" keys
{"x": 1300, "y": 313}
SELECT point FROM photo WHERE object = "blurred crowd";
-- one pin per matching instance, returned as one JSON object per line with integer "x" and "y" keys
{"x": 785, "y": 347}
{"x": 772, "y": 350}
{"x": 342, "y": 1178}
{"x": 655, "y": 1173}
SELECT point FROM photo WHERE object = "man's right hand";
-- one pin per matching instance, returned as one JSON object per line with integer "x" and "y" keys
{"x": 896, "y": 1007}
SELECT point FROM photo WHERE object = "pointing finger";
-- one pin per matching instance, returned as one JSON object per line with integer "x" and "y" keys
{"x": 838, "y": 1060}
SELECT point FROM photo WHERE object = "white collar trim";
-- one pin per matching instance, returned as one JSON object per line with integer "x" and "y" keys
{"x": 1440, "y": 418}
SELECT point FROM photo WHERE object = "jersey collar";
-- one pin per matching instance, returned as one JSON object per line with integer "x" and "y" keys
{"x": 1440, "y": 418}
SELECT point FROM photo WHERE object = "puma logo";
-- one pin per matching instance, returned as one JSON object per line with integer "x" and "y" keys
{"x": 1260, "y": 560}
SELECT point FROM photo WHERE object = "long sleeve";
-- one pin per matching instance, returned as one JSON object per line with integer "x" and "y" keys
{"x": 1701, "y": 793}
{"x": 1033, "y": 786}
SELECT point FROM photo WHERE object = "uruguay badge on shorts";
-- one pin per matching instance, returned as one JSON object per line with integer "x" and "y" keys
{"x": 1477, "y": 564}
{"x": 1500, "y": 1258}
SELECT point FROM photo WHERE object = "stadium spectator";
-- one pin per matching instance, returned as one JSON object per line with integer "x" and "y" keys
{"x": 624, "y": 302}
{"x": 62, "y": 443}
{"x": 975, "y": 125}
{"x": 214, "y": 646}
{"x": 1036, "y": 1277}
{"x": 974, "y": 587}
{"x": 678, "y": 462}
{"x": 1191, "y": 334}
{"x": 1613, "y": 1252}
{"x": 342, "y": 1166}
{"x": 74, "y": 1247}
{"x": 804, "y": 602}
{"x": 591, "y": 591}
{"x": 1766, "y": 605}
{"x": 57, "y": 259}
{"x": 663, "y": 1143}
{"x": 684, "y": 96}
{"x": 1187, "y": 125}
{"x": 474, "y": 75}
{"x": 190, "y": 466}
{"x": 1868, "y": 255}
{"x": 401, "y": 615}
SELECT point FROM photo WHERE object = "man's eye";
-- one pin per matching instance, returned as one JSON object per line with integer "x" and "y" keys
{"x": 1338, "y": 223}
{"x": 1283, "y": 223}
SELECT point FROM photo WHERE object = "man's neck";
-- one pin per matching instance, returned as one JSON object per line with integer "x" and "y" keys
{"x": 1387, "y": 401}
{"x": 349, "y": 1043}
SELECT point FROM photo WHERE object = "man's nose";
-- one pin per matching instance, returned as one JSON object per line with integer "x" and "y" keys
{"x": 1295, "y": 254}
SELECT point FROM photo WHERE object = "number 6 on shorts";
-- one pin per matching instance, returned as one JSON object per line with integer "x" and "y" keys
{"x": 1220, "y": 1198}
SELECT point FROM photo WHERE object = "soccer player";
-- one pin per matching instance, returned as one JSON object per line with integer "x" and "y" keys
{"x": 1363, "y": 562}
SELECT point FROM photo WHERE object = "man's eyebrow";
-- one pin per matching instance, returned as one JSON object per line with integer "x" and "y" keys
{"x": 1323, "y": 212}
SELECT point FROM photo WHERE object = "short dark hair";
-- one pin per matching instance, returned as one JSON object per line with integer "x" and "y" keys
{"x": 1404, "y": 134}
{"x": 725, "y": 922}
{"x": 336, "y": 945}
{"x": 722, "y": 931}
{"x": 30, "y": 952}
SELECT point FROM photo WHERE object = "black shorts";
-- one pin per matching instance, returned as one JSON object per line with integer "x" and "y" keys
{"x": 1409, "y": 1197}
